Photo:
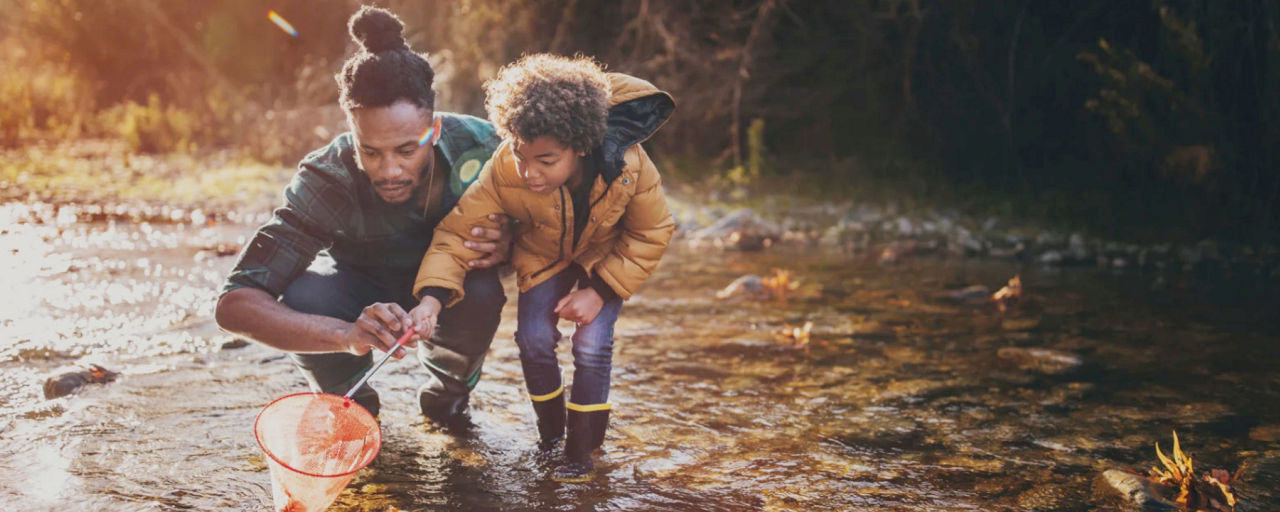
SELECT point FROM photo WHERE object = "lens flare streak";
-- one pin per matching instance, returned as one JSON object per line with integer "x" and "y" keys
{"x": 429, "y": 136}
{"x": 282, "y": 23}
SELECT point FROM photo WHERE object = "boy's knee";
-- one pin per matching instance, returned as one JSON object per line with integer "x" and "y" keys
{"x": 539, "y": 338}
{"x": 594, "y": 353}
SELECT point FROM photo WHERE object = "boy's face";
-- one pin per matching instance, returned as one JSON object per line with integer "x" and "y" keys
{"x": 390, "y": 147}
{"x": 545, "y": 164}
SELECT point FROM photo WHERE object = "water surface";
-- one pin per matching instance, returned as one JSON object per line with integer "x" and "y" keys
{"x": 900, "y": 401}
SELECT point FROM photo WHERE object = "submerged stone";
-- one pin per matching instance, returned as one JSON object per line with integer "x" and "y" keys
{"x": 235, "y": 343}
{"x": 1042, "y": 360}
{"x": 67, "y": 383}
{"x": 1122, "y": 490}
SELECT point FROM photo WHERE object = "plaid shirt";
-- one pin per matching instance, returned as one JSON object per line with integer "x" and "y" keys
{"x": 330, "y": 207}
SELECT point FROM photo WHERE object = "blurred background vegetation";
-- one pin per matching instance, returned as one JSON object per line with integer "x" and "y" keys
{"x": 1136, "y": 118}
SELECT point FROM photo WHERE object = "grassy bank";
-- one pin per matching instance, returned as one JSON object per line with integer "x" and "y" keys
{"x": 107, "y": 172}
{"x": 104, "y": 172}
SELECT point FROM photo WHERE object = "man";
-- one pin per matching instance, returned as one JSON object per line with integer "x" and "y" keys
{"x": 329, "y": 278}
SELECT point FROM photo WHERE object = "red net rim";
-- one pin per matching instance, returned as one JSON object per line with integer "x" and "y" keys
{"x": 264, "y": 449}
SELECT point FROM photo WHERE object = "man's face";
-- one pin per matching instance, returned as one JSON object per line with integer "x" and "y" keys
{"x": 388, "y": 150}
{"x": 545, "y": 164}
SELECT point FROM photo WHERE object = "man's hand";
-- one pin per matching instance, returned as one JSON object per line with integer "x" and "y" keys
{"x": 378, "y": 327}
{"x": 495, "y": 243}
{"x": 425, "y": 315}
{"x": 580, "y": 307}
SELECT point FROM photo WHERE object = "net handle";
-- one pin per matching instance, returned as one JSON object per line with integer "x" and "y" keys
{"x": 403, "y": 338}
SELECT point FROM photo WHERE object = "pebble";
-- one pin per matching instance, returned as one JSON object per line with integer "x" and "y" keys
{"x": 1127, "y": 491}
{"x": 67, "y": 383}
{"x": 1042, "y": 360}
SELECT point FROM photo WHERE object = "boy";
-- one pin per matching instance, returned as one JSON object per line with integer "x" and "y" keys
{"x": 590, "y": 212}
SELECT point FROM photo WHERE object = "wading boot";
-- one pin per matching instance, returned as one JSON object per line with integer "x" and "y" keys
{"x": 550, "y": 411}
{"x": 586, "y": 433}
{"x": 452, "y": 413}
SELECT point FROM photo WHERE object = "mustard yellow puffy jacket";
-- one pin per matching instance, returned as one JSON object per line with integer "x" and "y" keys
{"x": 630, "y": 224}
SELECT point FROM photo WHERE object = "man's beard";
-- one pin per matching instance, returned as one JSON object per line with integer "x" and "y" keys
{"x": 392, "y": 183}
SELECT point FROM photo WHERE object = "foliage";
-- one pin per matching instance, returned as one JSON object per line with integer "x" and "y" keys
{"x": 152, "y": 127}
{"x": 43, "y": 101}
{"x": 1209, "y": 492}
{"x": 1157, "y": 115}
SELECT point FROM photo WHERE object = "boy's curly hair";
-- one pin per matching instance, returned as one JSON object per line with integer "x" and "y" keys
{"x": 544, "y": 94}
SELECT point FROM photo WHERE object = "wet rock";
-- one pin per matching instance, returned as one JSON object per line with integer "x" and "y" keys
{"x": 67, "y": 383}
{"x": 964, "y": 243}
{"x": 749, "y": 286}
{"x": 970, "y": 293}
{"x": 1051, "y": 239}
{"x": 905, "y": 226}
{"x": 1041, "y": 360}
{"x": 895, "y": 251}
{"x": 1077, "y": 251}
{"x": 1051, "y": 257}
{"x": 743, "y": 222}
{"x": 235, "y": 343}
{"x": 1126, "y": 491}
{"x": 272, "y": 359}
{"x": 740, "y": 241}
{"x": 1009, "y": 250}
{"x": 1075, "y": 242}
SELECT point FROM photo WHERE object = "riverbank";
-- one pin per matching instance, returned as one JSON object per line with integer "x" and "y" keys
{"x": 90, "y": 181}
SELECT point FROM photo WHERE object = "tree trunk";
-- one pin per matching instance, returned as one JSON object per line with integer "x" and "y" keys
{"x": 765, "y": 15}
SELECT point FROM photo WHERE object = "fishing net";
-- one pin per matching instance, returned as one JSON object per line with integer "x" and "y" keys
{"x": 315, "y": 443}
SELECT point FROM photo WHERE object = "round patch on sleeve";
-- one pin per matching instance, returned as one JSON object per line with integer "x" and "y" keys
{"x": 468, "y": 171}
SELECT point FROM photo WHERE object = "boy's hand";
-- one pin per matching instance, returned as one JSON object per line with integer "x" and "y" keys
{"x": 378, "y": 327}
{"x": 424, "y": 316}
{"x": 580, "y": 307}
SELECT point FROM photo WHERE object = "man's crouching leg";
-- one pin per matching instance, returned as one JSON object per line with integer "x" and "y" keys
{"x": 455, "y": 355}
{"x": 326, "y": 290}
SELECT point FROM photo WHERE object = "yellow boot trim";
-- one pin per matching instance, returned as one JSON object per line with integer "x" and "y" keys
{"x": 589, "y": 408}
{"x": 548, "y": 396}
{"x": 579, "y": 480}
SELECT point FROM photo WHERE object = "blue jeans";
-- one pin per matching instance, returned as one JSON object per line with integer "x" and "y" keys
{"x": 537, "y": 335}
{"x": 341, "y": 291}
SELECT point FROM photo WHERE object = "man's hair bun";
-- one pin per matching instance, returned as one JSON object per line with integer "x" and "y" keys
{"x": 377, "y": 30}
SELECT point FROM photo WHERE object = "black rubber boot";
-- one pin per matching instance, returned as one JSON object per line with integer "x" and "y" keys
{"x": 550, "y": 413}
{"x": 450, "y": 412}
{"x": 586, "y": 434}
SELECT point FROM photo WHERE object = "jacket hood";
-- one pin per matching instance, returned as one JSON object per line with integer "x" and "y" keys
{"x": 637, "y": 109}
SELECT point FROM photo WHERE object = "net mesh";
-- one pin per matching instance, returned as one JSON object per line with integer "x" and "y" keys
{"x": 314, "y": 443}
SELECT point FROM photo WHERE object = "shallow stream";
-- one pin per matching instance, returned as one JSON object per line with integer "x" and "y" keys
{"x": 901, "y": 400}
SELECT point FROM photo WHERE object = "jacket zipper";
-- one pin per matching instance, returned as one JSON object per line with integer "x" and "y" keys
{"x": 560, "y": 249}
{"x": 562, "y": 222}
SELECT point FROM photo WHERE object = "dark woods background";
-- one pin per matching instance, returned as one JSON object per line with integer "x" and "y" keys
{"x": 1141, "y": 118}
